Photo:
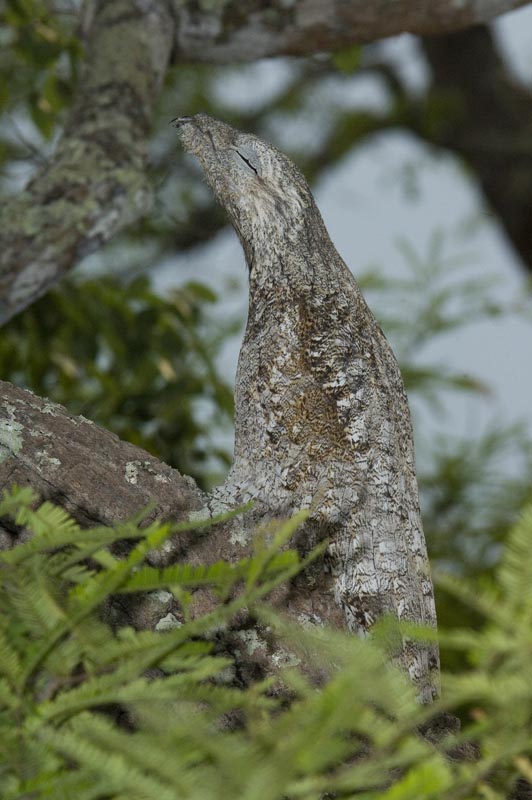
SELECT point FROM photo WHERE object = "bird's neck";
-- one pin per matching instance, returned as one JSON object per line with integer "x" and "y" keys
{"x": 288, "y": 263}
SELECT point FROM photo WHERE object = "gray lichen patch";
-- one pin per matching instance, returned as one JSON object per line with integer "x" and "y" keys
{"x": 51, "y": 408}
{"x": 309, "y": 621}
{"x": 10, "y": 434}
{"x": 139, "y": 470}
{"x": 85, "y": 420}
{"x": 45, "y": 461}
{"x": 284, "y": 658}
{"x": 167, "y": 623}
{"x": 200, "y": 515}
{"x": 132, "y": 472}
{"x": 251, "y": 641}
{"x": 239, "y": 534}
{"x": 162, "y": 596}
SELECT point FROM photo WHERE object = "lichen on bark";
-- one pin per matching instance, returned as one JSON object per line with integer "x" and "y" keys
{"x": 96, "y": 182}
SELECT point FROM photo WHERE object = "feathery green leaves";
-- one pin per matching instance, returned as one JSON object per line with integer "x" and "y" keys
{"x": 94, "y": 712}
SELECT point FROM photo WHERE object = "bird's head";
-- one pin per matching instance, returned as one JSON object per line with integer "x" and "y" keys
{"x": 263, "y": 192}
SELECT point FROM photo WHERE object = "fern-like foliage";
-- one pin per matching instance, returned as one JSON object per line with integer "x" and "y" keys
{"x": 59, "y": 661}
{"x": 90, "y": 712}
{"x": 497, "y": 690}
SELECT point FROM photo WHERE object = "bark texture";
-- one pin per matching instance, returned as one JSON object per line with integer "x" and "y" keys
{"x": 230, "y": 30}
{"x": 321, "y": 417}
{"x": 89, "y": 471}
{"x": 96, "y": 182}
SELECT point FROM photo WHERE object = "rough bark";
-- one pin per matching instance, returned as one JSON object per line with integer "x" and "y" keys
{"x": 487, "y": 121}
{"x": 96, "y": 183}
{"x": 230, "y": 30}
{"x": 87, "y": 470}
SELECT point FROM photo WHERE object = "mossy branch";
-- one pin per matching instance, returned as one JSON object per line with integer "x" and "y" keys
{"x": 96, "y": 182}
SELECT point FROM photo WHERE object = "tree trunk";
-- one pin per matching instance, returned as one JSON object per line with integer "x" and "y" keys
{"x": 97, "y": 181}
{"x": 488, "y": 122}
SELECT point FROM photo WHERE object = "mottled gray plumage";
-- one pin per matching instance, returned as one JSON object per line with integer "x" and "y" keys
{"x": 321, "y": 419}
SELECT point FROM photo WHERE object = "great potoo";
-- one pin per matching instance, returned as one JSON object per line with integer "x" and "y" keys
{"x": 322, "y": 420}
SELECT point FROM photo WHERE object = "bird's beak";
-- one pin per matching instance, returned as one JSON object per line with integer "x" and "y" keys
{"x": 179, "y": 121}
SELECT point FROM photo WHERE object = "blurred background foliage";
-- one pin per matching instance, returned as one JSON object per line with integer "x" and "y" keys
{"x": 139, "y": 364}
{"x": 144, "y": 364}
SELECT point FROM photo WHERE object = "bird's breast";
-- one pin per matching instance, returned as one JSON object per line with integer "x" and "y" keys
{"x": 287, "y": 408}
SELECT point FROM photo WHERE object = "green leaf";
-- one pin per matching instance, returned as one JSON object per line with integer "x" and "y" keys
{"x": 347, "y": 60}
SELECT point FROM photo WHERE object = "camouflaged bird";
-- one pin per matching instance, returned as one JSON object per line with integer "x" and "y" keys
{"x": 321, "y": 417}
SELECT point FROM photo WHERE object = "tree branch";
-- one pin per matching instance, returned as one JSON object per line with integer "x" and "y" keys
{"x": 96, "y": 182}
{"x": 230, "y": 30}
{"x": 87, "y": 470}
{"x": 486, "y": 117}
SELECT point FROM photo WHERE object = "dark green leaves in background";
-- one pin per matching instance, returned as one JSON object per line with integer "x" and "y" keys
{"x": 134, "y": 362}
{"x": 39, "y": 61}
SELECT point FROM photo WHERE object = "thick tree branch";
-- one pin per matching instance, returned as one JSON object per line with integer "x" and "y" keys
{"x": 96, "y": 183}
{"x": 230, "y": 30}
{"x": 487, "y": 119}
{"x": 100, "y": 479}
{"x": 87, "y": 470}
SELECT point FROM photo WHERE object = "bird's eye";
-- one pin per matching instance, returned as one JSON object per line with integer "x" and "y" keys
{"x": 247, "y": 159}
{"x": 248, "y": 162}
